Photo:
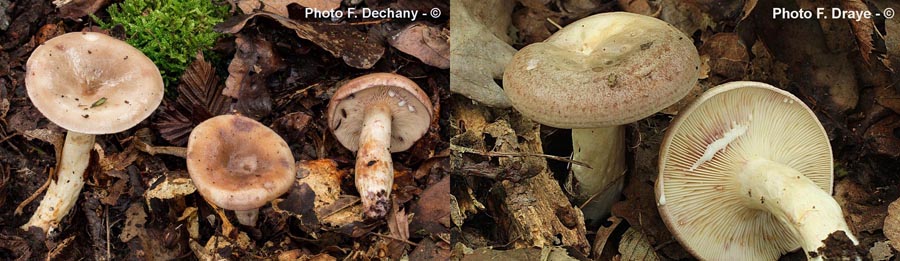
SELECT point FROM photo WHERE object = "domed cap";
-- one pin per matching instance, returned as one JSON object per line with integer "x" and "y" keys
{"x": 705, "y": 148}
{"x": 410, "y": 107}
{"x": 237, "y": 163}
{"x": 603, "y": 70}
{"x": 92, "y": 83}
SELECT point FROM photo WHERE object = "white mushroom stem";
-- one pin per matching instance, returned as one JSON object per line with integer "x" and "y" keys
{"x": 795, "y": 200}
{"x": 374, "y": 168}
{"x": 604, "y": 150}
{"x": 63, "y": 192}
{"x": 247, "y": 217}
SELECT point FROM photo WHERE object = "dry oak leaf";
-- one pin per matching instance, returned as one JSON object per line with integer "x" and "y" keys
{"x": 863, "y": 28}
{"x": 427, "y": 42}
{"x": 477, "y": 57}
{"x": 280, "y": 7}
{"x": 634, "y": 246}
{"x": 892, "y": 224}
{"x": 356, "y": 48}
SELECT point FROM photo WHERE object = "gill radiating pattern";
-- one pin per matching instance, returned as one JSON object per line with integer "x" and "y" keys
{"x": 775, "y": 123}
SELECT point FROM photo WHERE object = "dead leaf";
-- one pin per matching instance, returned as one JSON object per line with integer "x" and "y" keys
{"x": 427, "y": 42}
{"x": 292, "y": 126}
{"x": 888, "y": 97}
{"x": 248, "y": 74}
{"x": 638, "y": 7}
{"x": 280, "y": 7}
{"x": 193, "y": 222}
{"x": 881, "y": 251}
{"x": 344, "y": 211}
{"x": 115, "y": 191}
{"x": 634, "y": 246}
{"x": 324, "y": 178}
{"x": 601, "y": 243}
{"x": 135, "y": 218}
{"x": 16, "y": 245}
{"x": 892, "y": 224}
{"x": 884, "y": 137}
{"x": 432, "y": 214}
{"x": 727, "y": 55}
{"x": 174, "y": 184}
{"x": 297, "y": 205}
{"x": 398, "y": 223}
{"x": 546, "y": 253}
{"x": 686, "y": 16}
{"x": 863, "y": 28}
{"x": 477, "y": 57}
{"x": 345, "y": 42}
{"x": 199, "y": 98}
{"x": 430, "y": 250}
{"x": 749, "y": 5}
{"x": 75, "y": 9}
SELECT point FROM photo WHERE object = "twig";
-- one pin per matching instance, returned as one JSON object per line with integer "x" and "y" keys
{"x": 35, "y": 194}
{"x": 108, "y": 255}
{"x": 607, "y": 187}
{"x": 520, "y": 154}
{"x": 153, "y": 150}
{"x": 9, "y": 137}
{"x": 554, "y": 24}
{"x": 395, "y": 238}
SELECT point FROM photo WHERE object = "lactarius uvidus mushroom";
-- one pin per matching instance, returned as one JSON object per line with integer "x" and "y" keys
{"x": 595, "y": 75}
{"x": 745, "y": 173}
{"x": 239, "y": 164}
{"x": 375, "y": 115}
{"x": 88, "y": 84}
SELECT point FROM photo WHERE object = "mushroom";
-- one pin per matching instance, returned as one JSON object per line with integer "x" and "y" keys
{"x": 745, "y": 172}
{"x": 89, "y": 84}
{"x": 595, "y": 75}
{"x": 375, "y": 115}
{"x": 239, "y": 164}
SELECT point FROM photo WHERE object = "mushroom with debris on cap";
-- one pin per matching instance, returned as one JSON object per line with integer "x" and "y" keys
{"x": 239, "y": 164}
{"x": 89, "y": 84}
{"x": 593, "y": 76}
{"x": 745, "y": 172}
{"x": 375, "y": 115}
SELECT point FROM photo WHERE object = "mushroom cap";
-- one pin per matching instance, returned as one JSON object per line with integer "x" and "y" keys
{"x": 92, "y": 83}
{"x": 704, "y": 208}
{"x": 410, "y": 108}
{"x": 237, "y": 163}
{"x": 603, "y": 70}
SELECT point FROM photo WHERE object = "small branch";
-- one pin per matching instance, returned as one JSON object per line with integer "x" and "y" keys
{"x": 153, "y": 150}
{"x": 35, "y": 194}
{"x": 395, "y": 238}
{"x": 507, "y": 154}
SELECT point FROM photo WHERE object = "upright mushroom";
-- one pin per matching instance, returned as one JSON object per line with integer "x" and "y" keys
{"x": 745, "y": 172}
{"x": 595, "y": 75}
{"x": 239, "y": 164}
{"x": 89, "y": 84}
{"x": 375, "y": 115}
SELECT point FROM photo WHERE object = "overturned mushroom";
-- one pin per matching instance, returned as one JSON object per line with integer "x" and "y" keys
{"x": 239, "y": 164}
{"x": 375, "y": 115}
{"x": 595, "y": 75}
{"x": 745, "y": 172}
{"x": 89, "y": 84}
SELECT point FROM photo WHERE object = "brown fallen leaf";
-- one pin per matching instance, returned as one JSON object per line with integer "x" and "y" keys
{"x": 16, "y": 245}
{"x": 477, "y": 57}
{"x": 248, "y": 73}
{"x": 427, "y": 42}
{"x": 280, "y": 7}
{"x": 356, "y": 48}
{"x": 883, "y": 136}
{"x": 432, "y": 214}
{"x": 292, "y": 126}
{"x": 297, "y": 205}
{"x": 430, "y": 250}
{"x": 727, "y": 55}
{"x": 863, "y": 28}
{"x": 546, "y": 253}
{"x": 881, "y": 251}
{"x": 200, "y": 98}
{"x": 892, "y": 224}
{"x": 601, "y": 243}
{"x": 135, "y": 218}
{"x": 174, "y": 184}
{"x": 324, "y": 178}
{"x": 638, "y": 7}
{"x": 634, "y": 246}
{"x": 74, "y": 9}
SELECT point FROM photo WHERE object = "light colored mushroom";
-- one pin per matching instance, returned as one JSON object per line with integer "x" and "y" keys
{"x": 239, "y": 164}
{"x": 745, "y": 172}
{"x": 595, "y": 75}
{"x": 89, "y": 84}
{"x": 375, "y": 115}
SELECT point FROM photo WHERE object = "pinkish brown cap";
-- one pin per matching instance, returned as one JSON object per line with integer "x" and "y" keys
{"x": 92, "y": 83}
{"x": 410, "y": 107}
{"x": 237, "y": 163}
{"x": 603, "y": 70}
